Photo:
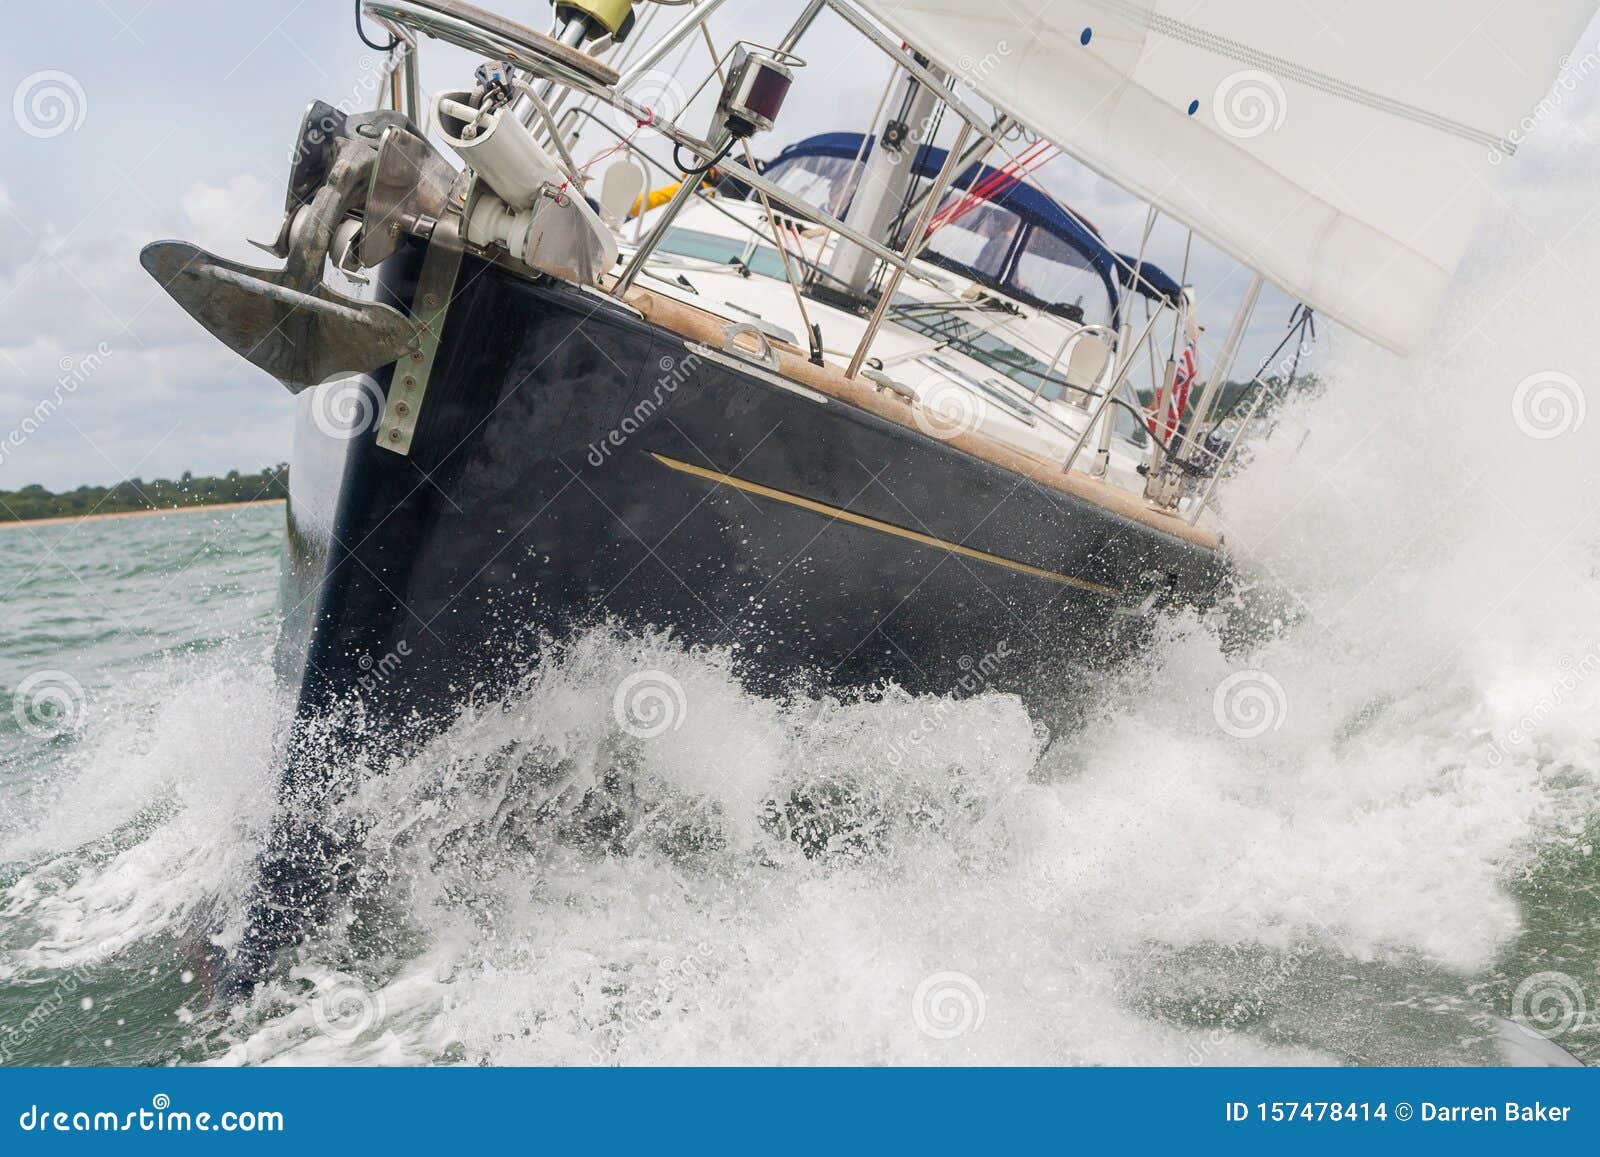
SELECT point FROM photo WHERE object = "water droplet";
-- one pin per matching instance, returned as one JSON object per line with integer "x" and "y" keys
{"x": 186, "y": 976}
{"x": 86, "y": 1003}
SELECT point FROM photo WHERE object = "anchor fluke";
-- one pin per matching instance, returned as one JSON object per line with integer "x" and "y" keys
{"x": 301, "y": 338}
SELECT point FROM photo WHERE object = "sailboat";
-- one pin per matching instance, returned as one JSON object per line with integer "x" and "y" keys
{"x": 861, "y": 411}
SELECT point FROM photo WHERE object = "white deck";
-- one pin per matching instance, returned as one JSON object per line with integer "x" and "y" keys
{"x": 1046, "y": 428}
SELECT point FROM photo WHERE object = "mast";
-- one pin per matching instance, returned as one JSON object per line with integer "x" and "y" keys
{"x": 886, "y": 180}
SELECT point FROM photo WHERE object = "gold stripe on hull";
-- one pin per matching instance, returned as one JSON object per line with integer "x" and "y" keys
{"x": 882, "y": 527}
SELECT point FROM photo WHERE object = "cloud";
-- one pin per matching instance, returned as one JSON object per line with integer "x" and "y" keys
{"x": 218, "y": 215}
{"x": 128, "y": 380}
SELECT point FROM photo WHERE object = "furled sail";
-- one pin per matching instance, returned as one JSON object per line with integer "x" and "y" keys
{"x": 1343, "y": 150}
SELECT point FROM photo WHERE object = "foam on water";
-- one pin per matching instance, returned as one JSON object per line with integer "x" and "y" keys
{"x": 155, "y": 819}
{"x": 1333, "y": 867}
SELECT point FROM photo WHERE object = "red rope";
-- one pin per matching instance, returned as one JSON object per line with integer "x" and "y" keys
{"x": 995, "y": 185}
{"x": 649, "y": 119}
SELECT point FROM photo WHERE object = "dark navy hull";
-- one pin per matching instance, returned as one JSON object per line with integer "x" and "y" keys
{"x": 573, "y": 463}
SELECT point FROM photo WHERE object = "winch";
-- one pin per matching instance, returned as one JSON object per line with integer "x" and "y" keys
{"x": 358, "y": 186}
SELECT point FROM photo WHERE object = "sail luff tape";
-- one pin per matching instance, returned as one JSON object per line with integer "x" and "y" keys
{"x": 1289, "y": 70}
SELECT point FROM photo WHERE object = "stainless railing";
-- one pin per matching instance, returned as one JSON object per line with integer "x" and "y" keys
{"x": 484, "y": 33}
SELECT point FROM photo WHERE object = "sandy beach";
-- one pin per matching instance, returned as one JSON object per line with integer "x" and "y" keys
{"x": 137, "y": 513}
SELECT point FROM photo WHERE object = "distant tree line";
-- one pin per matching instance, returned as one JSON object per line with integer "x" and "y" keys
{"x": 136, "y": 494}
{"x": 1236, "y": 393}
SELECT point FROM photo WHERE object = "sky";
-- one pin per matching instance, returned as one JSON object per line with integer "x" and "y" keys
{"x": 175, "y": 119}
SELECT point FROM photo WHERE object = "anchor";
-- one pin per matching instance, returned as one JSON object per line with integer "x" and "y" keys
{"x": 289, "y": 322}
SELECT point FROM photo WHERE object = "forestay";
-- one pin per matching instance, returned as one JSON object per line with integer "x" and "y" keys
{"x": 1344, "y": 151}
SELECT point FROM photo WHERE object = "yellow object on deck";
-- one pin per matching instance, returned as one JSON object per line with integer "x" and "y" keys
{"x": 654, "y": 199}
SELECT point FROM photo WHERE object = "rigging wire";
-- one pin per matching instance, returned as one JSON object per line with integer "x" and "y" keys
{"x": 1302, "y": 323}
{"x": 813, "y": 332}
{"x": 677, "y": 159}
{"x": 856, "y": 169}
{"x": 361, "y": 31}
{"x": 995, "y": 185}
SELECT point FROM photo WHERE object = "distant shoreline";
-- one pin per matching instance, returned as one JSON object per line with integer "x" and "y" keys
{"x": 58, "y": 520}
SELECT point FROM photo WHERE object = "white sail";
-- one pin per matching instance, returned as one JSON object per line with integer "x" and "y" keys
{"x": 1343, "y": 150}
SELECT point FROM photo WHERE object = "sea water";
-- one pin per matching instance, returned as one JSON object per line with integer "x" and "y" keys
{"x": 1361, "y": 832}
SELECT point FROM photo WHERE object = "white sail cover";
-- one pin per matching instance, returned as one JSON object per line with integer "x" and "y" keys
{"x": 1343, "y": 150}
